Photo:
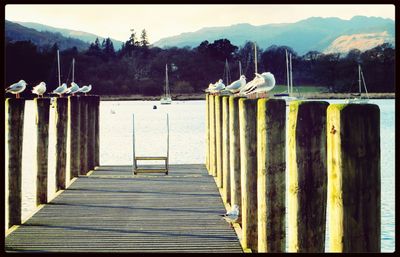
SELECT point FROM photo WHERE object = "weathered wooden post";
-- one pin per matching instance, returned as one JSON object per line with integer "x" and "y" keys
{"x": 207, "y": 134}
{"x": 234, "y": 153}
{"x": 97, "y": 132}
{"x": 91, "y": 132}
{"x": 61, "y": 130}
{"x": 226, "y": 187}
{"x": 73, "y": 141}
{"x": 354, "y": 177}
{"x": 271, "y": 166}
{"x": 213, "y": 155}
{"x": 42, "y": 106}
{"x": 307, "y": 176}
{"x": 83, "y": 135}
{"x": 248, "y": 167}
{"x": 14, "y": 119}
{"x": 218, "y": 138}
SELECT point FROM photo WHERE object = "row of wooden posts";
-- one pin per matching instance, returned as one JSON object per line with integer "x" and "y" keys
{"x": 76, "y": 130}
{"x": 333, "y": 162}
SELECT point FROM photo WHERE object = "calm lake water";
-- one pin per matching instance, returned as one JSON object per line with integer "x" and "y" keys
{"x": 187, "y": 145}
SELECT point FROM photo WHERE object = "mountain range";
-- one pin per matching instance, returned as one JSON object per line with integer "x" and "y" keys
{"x": 313, "y": 34}
{"x": 41, "y": 34}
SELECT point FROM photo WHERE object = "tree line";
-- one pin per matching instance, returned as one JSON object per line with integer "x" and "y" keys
{"x": 139, "y": 68}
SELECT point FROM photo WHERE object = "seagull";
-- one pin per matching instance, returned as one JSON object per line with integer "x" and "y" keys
{"x": 218, "y": 87}
{"x": 61, "y": 89}
{"x": 39, "y": 89}
{"x": 85, "y": 89}
{"x": 232, "y": 215}
{"x": 236, "y": 85}
{"x": 211, "y": 87}
{"x": 17, "y": 88}
{"x": 73, "y": 89}
{"x": 262, "y": 83}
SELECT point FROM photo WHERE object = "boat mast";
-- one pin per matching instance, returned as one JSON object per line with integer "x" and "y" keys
{"x": 287, "y": 72}
{"x": 227, "y": 71}
{"x": 58, "y": 62}
{"x": 255, "y": 57}
{"x": 291, "y": 74}
{"x": 240, "y": 69}
{"x": 365, "y": 86}
{"x": 359, "y": 79}
{"x": 166, "y": 81}
{"x": 73, "y": 69}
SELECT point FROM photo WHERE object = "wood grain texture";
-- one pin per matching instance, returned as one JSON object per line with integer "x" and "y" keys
{"x": 248, "y": 170}
{"x": 42, "y": 108}
{"x": 114, "y": 211}
{"x": 354, "y": 183}
{"x": 226, "y": 182}
{"x": 307, "y": 176}
{"x": 61, "y": 130}
{"x": 218, "y": 139}
{"x": 271, "y": 167}
{"x": 14, "y": 119}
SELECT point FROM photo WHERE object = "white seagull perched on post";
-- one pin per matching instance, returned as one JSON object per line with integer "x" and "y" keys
{"x": 74, "y": 88}
{"x": 262, "y": 83}
{"x": 232, "y": 215}
{"x": 17, "y": 88}
{"x": 211, "y": 87}
{"x": 61, "y": 89}
{"x": 218, "y": 86}
{"x": 236, "y": 85}
{"x": 85, "y": 89}
{"x": 39, "y": 89}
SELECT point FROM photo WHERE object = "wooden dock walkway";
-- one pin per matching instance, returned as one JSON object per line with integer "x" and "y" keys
{"x": 113, "y": 211}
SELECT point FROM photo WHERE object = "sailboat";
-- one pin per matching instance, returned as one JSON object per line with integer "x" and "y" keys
{"x": 166, "y": 98}
{"x": 357, "y": 97}
{"x": 289, "y": 78}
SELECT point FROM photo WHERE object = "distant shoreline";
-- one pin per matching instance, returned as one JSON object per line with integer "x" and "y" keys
{"x": 201, "y": 96}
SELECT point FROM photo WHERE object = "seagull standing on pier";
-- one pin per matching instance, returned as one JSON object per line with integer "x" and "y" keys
{"x": 39, "y": 89}
{"x": 61, "y": 89}
{"x": 17, "y": 88}
{"x": 236, "y": 85}
{"x": 262, "y": 83}
{"x": 85, "y": 89}
{"x": 232, "y": 215}
{"x": 73, "y": 89}
{"x": 218, "y": 87}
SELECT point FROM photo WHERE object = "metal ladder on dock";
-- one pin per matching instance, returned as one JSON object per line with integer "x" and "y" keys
{"x": 136, "y": 169}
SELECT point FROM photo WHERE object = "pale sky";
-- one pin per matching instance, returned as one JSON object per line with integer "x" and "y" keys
{"x": 161, "y": 21}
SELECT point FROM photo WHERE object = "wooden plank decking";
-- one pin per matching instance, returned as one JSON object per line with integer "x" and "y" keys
{"x": 113, "y": 211}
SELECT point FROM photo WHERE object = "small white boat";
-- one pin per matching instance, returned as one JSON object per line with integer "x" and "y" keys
{"x": 358, "y": 99}
{"x": 166, "y": 98}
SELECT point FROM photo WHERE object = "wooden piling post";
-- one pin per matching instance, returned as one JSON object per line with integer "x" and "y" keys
{"x": 234, "y": 153}
{"x": 226, "y": 187}
{"x": 207, "y": 133}
{"x": 354, "y": 179}
{"x": 73, "y": 143}
{"x": 83, "y": 135}
{"x": 218, "y": 138}
{"x": 91, "y": 132}
{"x": 97, "y": 131}
{"x": 42, "y": 106}
{"x": 271, "y": 166}
{"x": 248, "y": 167}
{"x": 213, "y": 155}
{"x": 61, "y": 130}
{"x": 14, "y": 119}
{"x": 307, "y": 176}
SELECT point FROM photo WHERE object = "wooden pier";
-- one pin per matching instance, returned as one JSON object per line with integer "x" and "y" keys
{"x": 112, "y": 210}
{"x": 331, "y": 154}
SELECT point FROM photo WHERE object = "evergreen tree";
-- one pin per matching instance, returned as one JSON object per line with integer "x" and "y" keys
{"x": 143, "y": 39}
